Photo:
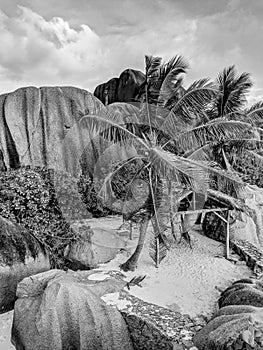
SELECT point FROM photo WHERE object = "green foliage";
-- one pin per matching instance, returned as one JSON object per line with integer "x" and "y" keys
{"x": 66, "y": 192}
{"x": 15, "y": 242}
{"x": 123, "y": 179}
{"x": 89, "y": 195}
{"x": 249, "y": 169}
{"x": 29, "y": 198}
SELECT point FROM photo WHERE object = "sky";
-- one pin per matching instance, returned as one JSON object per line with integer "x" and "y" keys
{"x": 86, "y": 42}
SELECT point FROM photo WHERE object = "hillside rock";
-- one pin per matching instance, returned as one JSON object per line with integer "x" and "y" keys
{"x": 20, "y": 256}
{"x": 122, "y": 89}
{"x": 58, "y": 310}
{"x": 95, "y": 245}
{"x": 251, "y": 230}
{"x": 40, "y": 127}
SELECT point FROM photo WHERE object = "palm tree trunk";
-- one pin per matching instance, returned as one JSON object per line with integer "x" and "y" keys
{"x": 131, "y": 263}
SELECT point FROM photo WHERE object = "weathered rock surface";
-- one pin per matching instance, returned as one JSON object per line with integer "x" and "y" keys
{"x": 252, "y": 230}
{"x": 96, "y": 245}
{"x": 152, "y": 326}
{"x": 40, "y": 127}
{"x": 58, "y": 310}
{"x": 122, "y": 89}
{"x": 243, "y": 294}
{"x": 20, "y": 256}
{"x": 247, "y": 225}
{"x": 239, "y": 321}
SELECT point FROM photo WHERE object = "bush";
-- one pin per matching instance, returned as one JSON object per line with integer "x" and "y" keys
{"x": 89, "y": 195}
{"x": 29, "y": 198}
{"x": 15, "y": 243}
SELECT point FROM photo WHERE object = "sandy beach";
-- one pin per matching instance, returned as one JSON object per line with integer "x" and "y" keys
{"x": 187, "y": 280}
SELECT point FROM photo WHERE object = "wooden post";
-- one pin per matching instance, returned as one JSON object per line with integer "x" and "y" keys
{"x": 194, "y": 201}
{"x": 158, "y": 252}
{"x": 227, "y": 235}
{"x": 130, "y": 222}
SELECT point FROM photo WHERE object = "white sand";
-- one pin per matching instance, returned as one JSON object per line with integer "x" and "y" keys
{"x": 5, "y": 331}
{"x": 186, "y": 281}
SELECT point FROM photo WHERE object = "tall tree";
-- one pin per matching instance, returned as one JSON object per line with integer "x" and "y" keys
{"x": 170, "y": 144}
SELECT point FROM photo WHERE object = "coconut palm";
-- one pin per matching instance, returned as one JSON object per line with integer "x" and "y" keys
{"x": 230, "y": 105}
{"x": 162, "y": 133}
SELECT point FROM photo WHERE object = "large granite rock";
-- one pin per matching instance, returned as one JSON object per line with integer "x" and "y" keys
{"x": 58, "y": 310}
{"x": 239, "y": 322}
{"x": 40, "y": 127}
{"x": 246, "y": 225}
{"x": 20, "y": 256}
{"x": 96, "y": 244}
{"x": 122, "y": 89}
{"x": 152, "y": 326}
{"x": 250, "y": 227}
{"x": 243, "y": 293}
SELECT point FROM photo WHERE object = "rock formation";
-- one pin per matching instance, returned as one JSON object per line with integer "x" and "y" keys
{"x": 95, "y": 245}
{"x": 20, "y": 256}
{"x": 122, "y": 89}
{"x": 62, "y": 310}
{"x": 239, "y": 321}
{"x": 250, "y": 227}
{"x": 40, "y": 127}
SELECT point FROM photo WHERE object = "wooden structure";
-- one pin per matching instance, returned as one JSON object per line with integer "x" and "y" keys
{"x": 228, "y": 203}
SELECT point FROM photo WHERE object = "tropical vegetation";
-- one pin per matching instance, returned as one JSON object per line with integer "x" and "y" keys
{"x": 186, "y": 138}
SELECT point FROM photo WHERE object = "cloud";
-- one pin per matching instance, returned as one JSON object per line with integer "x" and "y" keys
{"x": 47, "y": 52}
{"x": 94, "y": 41}
{"x": 40, "y": 51}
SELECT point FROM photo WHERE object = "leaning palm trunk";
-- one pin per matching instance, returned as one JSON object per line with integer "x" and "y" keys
{"x": 131, "y": 263}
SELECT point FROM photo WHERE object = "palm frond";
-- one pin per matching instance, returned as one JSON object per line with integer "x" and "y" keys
{"x": 157, "y": 249}
{"x": 188, "y": 107}
{"x": 177, "y": 62}
{"x": 106, "y": 192}
{"x": 203, "y": 153}
{"x": 181, "y": 170}
{"x": 215, "y": 131}
{"x": 152, "y": 64}
{"x": 254, "y": 114}
{"x": 197, "y": 175}
{"x": 233, "y": 90}
{"x": 113, "y": 129}
{"x": 169, "y": 79}
{"x": 256, "y": 159}
{"x": 169, "y": 88}
{"x": 128, "y": 113}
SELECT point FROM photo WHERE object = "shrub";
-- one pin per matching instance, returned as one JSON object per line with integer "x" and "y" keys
{"x": 15, "y": 242}
{"x": 89, "y": 195}
{"x": 29, "y": 198}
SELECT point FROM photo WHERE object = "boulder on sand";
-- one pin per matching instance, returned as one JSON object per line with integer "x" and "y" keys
{"x": 239, "y": 322}
{"x": 95, "y": 245}
{"x": 21, "y": 255}
{"x": 243, "y": 294}
{"x": 235, "y": 331}
{"x": 61, "y": 310}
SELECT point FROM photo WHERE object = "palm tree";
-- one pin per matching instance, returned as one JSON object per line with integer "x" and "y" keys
{"x": 162, "y": 133}
{"x": 230, "y": 105}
